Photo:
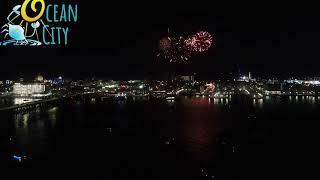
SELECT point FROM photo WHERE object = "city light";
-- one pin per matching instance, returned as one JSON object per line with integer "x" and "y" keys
{"x": 28, "y": 89}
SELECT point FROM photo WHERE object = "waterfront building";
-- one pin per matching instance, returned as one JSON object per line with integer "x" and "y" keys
{"x": 31, "y": 89}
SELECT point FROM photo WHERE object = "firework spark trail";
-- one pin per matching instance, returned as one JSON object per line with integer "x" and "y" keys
{"x": 200, "y": 42}
{"x": 177, "y": 52}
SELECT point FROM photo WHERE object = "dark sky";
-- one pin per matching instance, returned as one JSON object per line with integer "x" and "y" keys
{"x": 119, "y": 40}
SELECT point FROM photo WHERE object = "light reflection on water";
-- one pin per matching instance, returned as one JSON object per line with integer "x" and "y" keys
{"x": 303, "y": 99}
{"x": 194, "y": 123}
{"x": 258, "y": 103}
{"x": 221, "y": 101}
{"x": 199, "y": 127}
{"x": 32, "y": 131}
{"x": 52, "y": 116}
{"x": 25, "y": 120}
{"x": 18, "y": 101}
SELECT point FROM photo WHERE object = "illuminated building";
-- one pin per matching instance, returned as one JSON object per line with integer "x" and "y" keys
{"x": 58, "y": 80}
{"x": 246, "y": 78}
{"x": 8, "y": 82}
{"x": 185, "y": 78}
{"x": 39, "y": 78}
{"x": 312, "y": 82}
{"x": 303, "y": 82}
{"x": 28, "y": 89}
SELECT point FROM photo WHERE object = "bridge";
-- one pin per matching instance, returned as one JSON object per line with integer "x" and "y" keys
{"x": 31, "y": 105}
{"x": 53, "y": 101}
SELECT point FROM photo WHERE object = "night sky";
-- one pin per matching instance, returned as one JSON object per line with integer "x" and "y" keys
{"x": 120, "y": 41}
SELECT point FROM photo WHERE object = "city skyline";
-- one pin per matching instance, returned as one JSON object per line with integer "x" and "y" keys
{"x": 224, "y": 76}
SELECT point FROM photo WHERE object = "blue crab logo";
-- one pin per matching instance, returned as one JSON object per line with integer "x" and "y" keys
{"x": 16, "y": 34}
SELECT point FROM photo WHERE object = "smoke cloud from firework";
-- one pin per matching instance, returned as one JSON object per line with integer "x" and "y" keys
{"x": 165, "y": 43}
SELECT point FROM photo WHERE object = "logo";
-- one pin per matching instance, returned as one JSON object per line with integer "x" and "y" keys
{"x": 30, "y": 24}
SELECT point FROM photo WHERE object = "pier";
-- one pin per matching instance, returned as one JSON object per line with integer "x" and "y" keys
{"x": 32, "y": 105}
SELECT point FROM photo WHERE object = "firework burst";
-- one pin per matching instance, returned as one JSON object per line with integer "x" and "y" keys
{"x": 199, "y": 42}
{"x": 179, "y": 49}
{"x": 190, "y": 43}
{"x": 177, "y": 52}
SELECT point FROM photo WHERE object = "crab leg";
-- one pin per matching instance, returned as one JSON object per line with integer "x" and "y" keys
{"x": 5, "y": 30}
{"x": 7, "y": 42}
{"x": 6, "y": 25}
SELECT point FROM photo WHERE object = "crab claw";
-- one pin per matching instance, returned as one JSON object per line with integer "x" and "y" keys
{"x": 35, "y": 25}
{"x": 16, "y": 9}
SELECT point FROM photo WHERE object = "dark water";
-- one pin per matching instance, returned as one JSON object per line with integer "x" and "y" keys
{"x": 189, "y": 138}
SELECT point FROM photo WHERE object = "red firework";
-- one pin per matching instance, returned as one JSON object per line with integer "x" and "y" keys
{"x": 199, "y": 42}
